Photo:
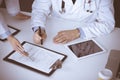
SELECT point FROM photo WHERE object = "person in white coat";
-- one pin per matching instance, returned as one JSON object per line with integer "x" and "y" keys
{"x": 96, "y": 16}
{"x": 13, "y": 9}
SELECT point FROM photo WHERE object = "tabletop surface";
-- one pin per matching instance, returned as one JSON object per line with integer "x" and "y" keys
{"x": 72, "y": 69}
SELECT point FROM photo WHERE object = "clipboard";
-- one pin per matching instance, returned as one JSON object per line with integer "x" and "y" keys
{"x": 13, "y": 30}
{"x": 50, "y": 57}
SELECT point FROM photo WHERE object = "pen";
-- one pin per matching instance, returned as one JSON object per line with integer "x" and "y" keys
{"x": 31, "y": 58}
{"x": 40, "y": 33}
{"x": 26, "y": 54}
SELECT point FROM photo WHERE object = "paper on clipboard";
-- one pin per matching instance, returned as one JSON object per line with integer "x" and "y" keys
{"x": 43, "y": 58}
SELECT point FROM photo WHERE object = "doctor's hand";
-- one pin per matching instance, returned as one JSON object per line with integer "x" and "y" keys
{"x": 16, "y": 45}
{"x": 39, "y": 36}
{"x": 22, "y": 16}
{"x": 66, "y": 36}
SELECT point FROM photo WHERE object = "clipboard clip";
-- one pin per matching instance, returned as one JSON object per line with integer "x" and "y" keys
{"x": 56, "y": 65}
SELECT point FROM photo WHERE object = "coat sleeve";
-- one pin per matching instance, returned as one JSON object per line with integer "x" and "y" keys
{"x": 4, "y": 31}
{"x": 40, "y": 10}
{"x": 104, "y": 22}
{"x": 13, "y": 7}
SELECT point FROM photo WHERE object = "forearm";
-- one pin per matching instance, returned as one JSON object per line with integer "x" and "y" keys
{"x": 96, "y": 29}
{"x": 4, "y": 31}
{"x": 9, "y": 38}
{"x": 40, "y": 10}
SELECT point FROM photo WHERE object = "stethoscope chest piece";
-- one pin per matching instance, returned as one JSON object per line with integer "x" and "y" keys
{"x": 87, "y": 6}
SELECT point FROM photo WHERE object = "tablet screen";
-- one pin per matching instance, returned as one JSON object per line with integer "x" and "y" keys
{"x": 85, "y": 48}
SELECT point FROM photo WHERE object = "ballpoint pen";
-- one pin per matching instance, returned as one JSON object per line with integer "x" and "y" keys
{"x": 40, "y": 33}
{"x": 26, "y": 54}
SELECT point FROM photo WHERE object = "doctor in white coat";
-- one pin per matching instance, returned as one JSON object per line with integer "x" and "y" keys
{"x": 97, "y": 17}
{"x": 13, "y": 9}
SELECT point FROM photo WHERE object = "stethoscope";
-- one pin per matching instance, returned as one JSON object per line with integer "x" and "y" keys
{"x": 87, "y": 6}
{"x": 62, "y": 7}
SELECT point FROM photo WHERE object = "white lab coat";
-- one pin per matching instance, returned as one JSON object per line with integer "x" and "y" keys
{"x": 99, "y": 22}
{"x": 13, "y": 8}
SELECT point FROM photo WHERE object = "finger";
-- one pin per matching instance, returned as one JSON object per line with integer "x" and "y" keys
{"x": 24, "y": 53}
{"x": 21, "y": 50}
{"x": 20, "y": 46}
{"x": 44, "y": 36}
{"x": 65, "y": 41}
{"x": 27, "y": 16}
{"x": 38, "y": 36}
{"x": 58, "y": 35}
{"x": 22, "y": 16}
{"x": 37, "y": 39}
{"x": 61, "y": 39}
{"x": 18, "y": 50}
{"x": 41, "y": 40}
{"x": 58, "y": 38}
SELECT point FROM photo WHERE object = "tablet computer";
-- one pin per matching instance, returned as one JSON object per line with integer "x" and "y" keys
{"x": 85, "y": 48}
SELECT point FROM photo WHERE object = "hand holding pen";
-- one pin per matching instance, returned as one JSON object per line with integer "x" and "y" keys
{"x": 39, "y": 36}
{"x": 18, "y": 47}
{"x": 26, "y": 54}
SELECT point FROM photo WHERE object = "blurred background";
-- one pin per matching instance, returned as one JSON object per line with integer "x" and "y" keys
{"x": 27, "y": 7}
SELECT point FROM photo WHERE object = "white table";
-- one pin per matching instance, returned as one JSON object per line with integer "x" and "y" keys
{"x": 85, "y": 69}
